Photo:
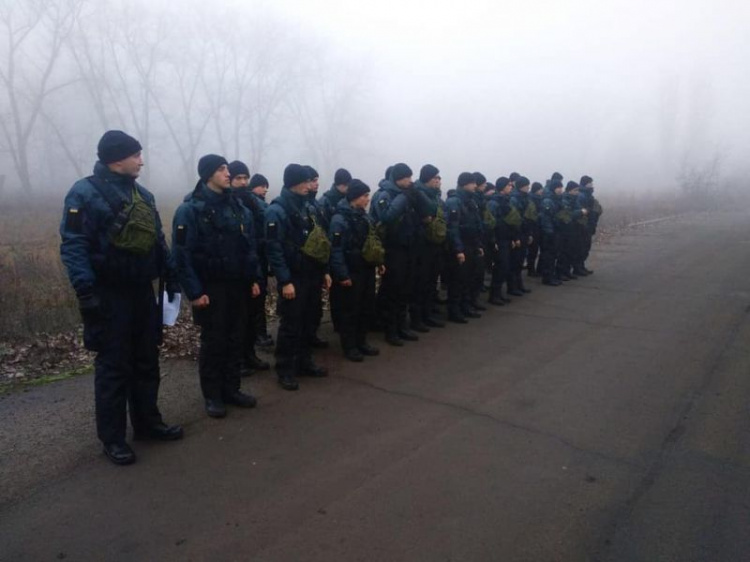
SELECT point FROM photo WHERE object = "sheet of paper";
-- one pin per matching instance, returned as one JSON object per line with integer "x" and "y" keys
{"x": 171, "y": 309}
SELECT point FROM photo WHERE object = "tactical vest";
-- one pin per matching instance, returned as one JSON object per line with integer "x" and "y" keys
{"x": 436, "y": 230}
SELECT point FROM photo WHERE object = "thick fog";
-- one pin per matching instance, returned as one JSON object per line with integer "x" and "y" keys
{"x": 634, "y": 93}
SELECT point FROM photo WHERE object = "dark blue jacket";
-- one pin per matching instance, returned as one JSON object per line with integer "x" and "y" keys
{"x": 570, "y": 204}
{"x": 500, "y": 205}
{"x": 85, "y": 250}
{"x": 537, "y": 198}
{"x": 348, "y": 232}
{"x": 329, "y": 203}
{"x": 401, "y": 212}
{"x": 257, "y": 206}
{"x": 432, "y": 202}
{"x": 465, "y": 226}
{"x": 587, "y": 200}
{"x": 290, "y": 219}
{"x": 520, "y": 201}
{"x": 551, "y": 205}
{"x": 213, "y": 239}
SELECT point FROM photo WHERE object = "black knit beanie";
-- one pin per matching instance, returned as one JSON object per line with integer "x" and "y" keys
{"x": 557, "y": 176}
{"x": 258, "y": 180}
{"x": 342, "y": 177}
{"x": 465, "y": 178}
{"x": 115, "y": 146}
{"x": 238, "y": 168}
{"x": 357, "y": 189}
{"x": 479, "y": 178}
{"x": 585, "y": 181}
{"x": 536, "y": 186}
{"x": 295, "y": 174}
{"x": 311, "y": 172}
{"x": 522, "y": 181}
{"x": 427, "y": 173}
{"x": 208, "y": 165}
{"x": 401, "y": 171}
{"x": 571, "y": 186}
{"x": 514, "y": 177}
{"x": 501, "y": 183}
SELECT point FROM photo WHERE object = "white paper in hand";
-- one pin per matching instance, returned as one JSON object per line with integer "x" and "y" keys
{"x": 171, "y": 310}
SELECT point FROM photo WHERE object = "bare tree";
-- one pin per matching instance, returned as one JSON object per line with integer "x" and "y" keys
{"x": 35, "y": 31}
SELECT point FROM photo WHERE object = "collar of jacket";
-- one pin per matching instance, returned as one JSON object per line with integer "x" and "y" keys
{"x": 102, "y": 171}
{"x": 294, "y": 200}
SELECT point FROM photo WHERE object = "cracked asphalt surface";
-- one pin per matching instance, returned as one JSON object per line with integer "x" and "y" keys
{"x": 606, "y": 420}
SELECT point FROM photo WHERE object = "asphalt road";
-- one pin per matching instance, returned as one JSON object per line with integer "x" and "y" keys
{"x": 606, "y": 420}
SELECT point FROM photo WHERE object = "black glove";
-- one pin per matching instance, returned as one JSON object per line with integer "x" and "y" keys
{"x": 90, "y": 306}
{"x": 173, "y": 288}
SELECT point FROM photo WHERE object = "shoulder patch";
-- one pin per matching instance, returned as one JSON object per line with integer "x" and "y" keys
{"x": 74, "y": 220}
{"x": 336, "y": 239}
{"x": 382, "y": 201}
{"x": 271, "y": 231}
{"x": 180, "y": 237}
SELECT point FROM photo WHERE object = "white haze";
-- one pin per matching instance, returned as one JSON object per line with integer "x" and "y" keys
{"x": 626, "y": 91}
{"x": 634, "y": 93}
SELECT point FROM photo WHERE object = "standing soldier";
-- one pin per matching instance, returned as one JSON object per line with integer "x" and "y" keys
{"x": 550, "y": 227}
{"x": 519, "y": 199}
{"x": 465, "y": 241}
{"x": 587, "y": 201}
{"x": 214, "y": 248}
{"x": 535, "y": 199}
{"x": 239, "y": 177}
{"x": 397, "y": 209}
{"x": 356, "y": 252}
{"x": 487, "y": 227}
{"x": 506, "y": 239}
{"x": 113, "y": 248}
{"x": 433, "y": 234}
{"x": 298, "y": 251}
{"x": 316, "y": 211}
{"x": 259, "y": 189}
{"x": 572, "y": 218}
{"x": 331, "y": 198}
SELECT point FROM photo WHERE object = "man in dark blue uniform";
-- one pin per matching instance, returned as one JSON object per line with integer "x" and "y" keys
{"x": 431, "y": 248}
{"x": 353, "y": 271}
{"x": 398, "y": 209}
{"x": 298, "y": 259}
{"x": 317, "y": 211}
{"x": 550, "y": 228}
{"x": 113, "y": 248}
{"x": 331, "y": 198}
{"x": 507, "y": 235}
{"x": 239, "y": 177}
{"x": 519, "y": 199}
{"x": 259, "y": 188}
{"x": 535, "y": 199}
{"x": 214, "y": 249}
{"x": 587, "y": 201}
{"x": 465, "y": 241}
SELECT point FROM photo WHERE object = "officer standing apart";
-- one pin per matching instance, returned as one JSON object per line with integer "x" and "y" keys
{"x": 356, "y": 252}
{"x": 113, "y": 248}
{"x": 587, "y": 201}
{"x": 214, "y": 249}
{"x": 298, "y": 251}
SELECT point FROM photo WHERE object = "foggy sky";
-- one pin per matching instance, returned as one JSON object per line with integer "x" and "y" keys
{"x": 618, "y": 89}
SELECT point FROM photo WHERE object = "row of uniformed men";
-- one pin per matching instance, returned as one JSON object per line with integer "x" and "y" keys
{"x": 222, "y": 257}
